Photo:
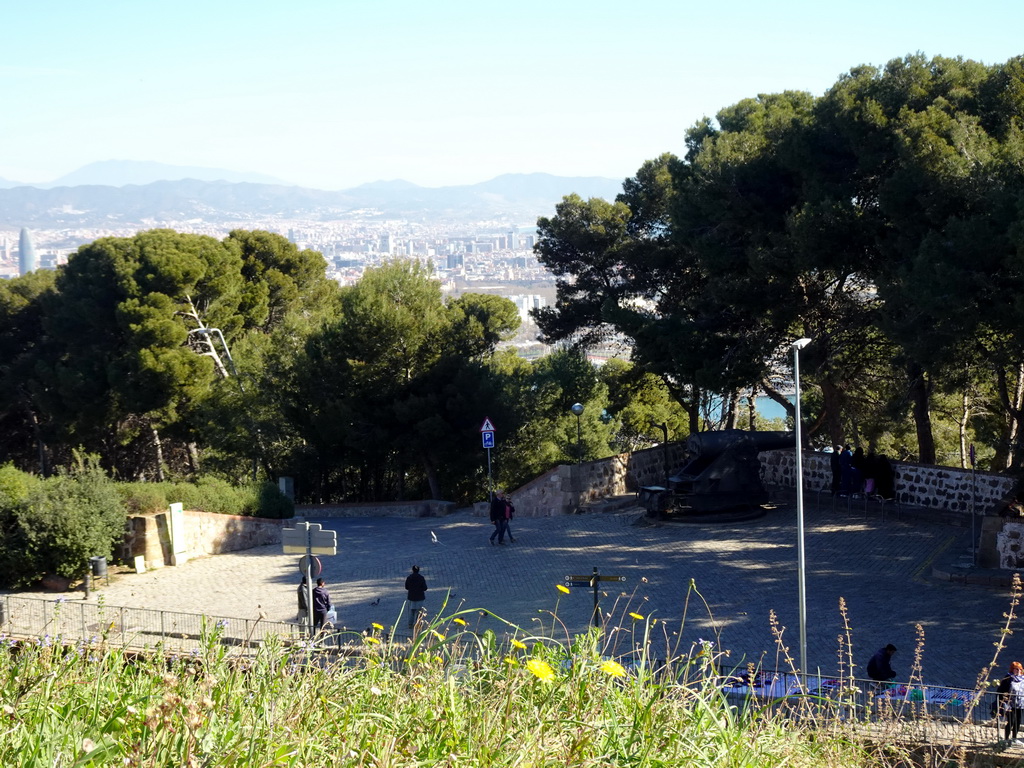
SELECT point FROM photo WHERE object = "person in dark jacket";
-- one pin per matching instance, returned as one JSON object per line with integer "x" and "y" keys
{"x": 1011, "y": 700}
{"x": 499, "y": 518}
{"x": 321, "y": 604}
{"x": 880, "y": 665}
{"x": 416, "y": 586}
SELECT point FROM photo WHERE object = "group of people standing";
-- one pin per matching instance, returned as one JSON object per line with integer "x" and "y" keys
{"x": 416, "y": 593}
{"x": 853, "y": 471}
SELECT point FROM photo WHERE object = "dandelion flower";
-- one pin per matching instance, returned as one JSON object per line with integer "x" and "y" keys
{"x": 519, "y": 644}
{"x": 459, "y": 621}
{"x": 375, "y": 690}
{"x": 377, "y": 626}
{"x": 636, "y": 617}
{"x": 613, "y": 669}
{"x": 511, "y": 661}
{"x": 373, "y": 640}
{"x": 437, "y": 634}
{"x": 562, "y": 588}
{"x": 540, "y": 669}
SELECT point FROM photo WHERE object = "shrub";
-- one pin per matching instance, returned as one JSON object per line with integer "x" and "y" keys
{"x": 62, "y": 522}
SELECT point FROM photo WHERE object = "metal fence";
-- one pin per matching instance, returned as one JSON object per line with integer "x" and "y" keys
{"x": 923, "y": 713}
{"x": 73, "y": 620}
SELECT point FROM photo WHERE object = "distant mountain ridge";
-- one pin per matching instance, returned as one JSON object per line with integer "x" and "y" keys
{"x": 515, "y": 197}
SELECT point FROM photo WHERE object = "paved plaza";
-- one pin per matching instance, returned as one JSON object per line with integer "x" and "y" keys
{"x": 741, "y": 571}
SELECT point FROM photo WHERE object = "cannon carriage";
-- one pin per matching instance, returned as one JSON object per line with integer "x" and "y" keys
{"x": 720, "y": 473}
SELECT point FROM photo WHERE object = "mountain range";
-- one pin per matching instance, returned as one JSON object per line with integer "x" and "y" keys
{"x": 121, "y": 193}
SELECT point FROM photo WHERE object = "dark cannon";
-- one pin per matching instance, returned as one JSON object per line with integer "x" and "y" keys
{"x": 720, "y": 473}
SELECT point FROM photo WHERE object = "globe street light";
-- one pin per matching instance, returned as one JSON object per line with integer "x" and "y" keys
{"x": 801, "y": 562}
{"x": 577, "y": 408}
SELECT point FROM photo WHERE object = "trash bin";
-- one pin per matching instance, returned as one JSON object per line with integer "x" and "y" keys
{"x": 99, "y": 567}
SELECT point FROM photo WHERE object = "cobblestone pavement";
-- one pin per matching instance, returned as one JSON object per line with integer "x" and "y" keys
{"x": 741, "y": 572}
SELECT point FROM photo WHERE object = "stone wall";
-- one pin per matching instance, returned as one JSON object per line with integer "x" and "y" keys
{"x": 205, "y": 534}
{"x": 1010, "y": 545}
{"x": 917, "y": 485}
{"x": 568, "y": 486}
{"x": 429, "y": 508}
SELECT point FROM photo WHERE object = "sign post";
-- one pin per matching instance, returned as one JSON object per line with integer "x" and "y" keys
{"x": 487, "y": 438}
{"x": 309, "y": 539}
{"x": 592, "y": 581}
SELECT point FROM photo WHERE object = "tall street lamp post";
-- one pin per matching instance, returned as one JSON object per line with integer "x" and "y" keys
{"x": 801, "y": 561}
{"x": 577, "y": 408}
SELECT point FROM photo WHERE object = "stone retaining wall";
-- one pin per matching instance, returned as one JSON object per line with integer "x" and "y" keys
{"x": 568, "y": 486}
{"x": 206, "y": 533}
{"x": 917, "y": 485}
{"x": 429, "y": 508}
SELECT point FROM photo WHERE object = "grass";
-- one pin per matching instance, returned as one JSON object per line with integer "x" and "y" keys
{"x": 450, "y": 697}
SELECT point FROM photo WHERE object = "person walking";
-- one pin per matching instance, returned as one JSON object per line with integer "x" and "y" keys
{"x": 303, "y": 607}
{"x": 321, "y": 605}
{"x": 1011, "y": 701}
{"x": 416, "y": 587}
{"x": 510, "y": 512}
{"x": 499, "y": 518}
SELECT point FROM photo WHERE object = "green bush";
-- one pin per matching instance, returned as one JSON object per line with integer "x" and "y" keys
{"x": 207, "y": 495}
{"x": 14, "y": 485}
{"x": 60, "y": 524}
{"x": 272, "y": 503}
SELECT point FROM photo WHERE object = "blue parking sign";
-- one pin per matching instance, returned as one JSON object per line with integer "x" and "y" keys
{"x": 488, "y": 438}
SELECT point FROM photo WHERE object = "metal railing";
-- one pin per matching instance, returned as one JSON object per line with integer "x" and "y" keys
{"x": 925, "y": 713}
{"x": 73, "y": 620}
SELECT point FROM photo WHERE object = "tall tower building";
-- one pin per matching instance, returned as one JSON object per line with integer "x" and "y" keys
{"x": 26, "y": 253}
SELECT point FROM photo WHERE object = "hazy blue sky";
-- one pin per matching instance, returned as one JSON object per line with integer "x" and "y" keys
{"x": 336, "y": 93}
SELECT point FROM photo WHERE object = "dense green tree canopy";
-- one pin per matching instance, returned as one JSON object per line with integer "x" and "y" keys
{"x": 883, "y": 220}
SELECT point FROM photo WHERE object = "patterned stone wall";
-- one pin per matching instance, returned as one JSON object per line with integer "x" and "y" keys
{"x": 918, "y": 485}
{"x": 1010, "y": 546}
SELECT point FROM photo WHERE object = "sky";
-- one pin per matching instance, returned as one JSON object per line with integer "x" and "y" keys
{"x": 337, "y": 93}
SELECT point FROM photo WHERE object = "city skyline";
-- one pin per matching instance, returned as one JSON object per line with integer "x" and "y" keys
{"x": 333, "y": 95}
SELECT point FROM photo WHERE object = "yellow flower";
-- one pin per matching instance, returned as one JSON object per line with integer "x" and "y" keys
{"x": 541, "y": 669}
{"x": 511, "y": 661}
{"x": 562, "y": 588}
{"x": 636, "y": 617}
{"x": 459, "y": 621}
{"x": 377, "y": 626}
{"x": 519, "y": 644}
{"x": 437, "y": 634}
{"x": 373, "y": 640}
{"x": 613, "y": 669}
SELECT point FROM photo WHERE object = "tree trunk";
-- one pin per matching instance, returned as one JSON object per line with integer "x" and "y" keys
{"x": 833, "y": 399}
{"x": 753, "y": 408}
{"x": 920, "y": 393}
{"x": 40, "y": 446}
{"x": 432, "y": 479}
{"x": 965, "y": 414}
{"x": 193, "y": 458}
{"x": 159, "y": 451}
{"x": 731, "y": 411}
